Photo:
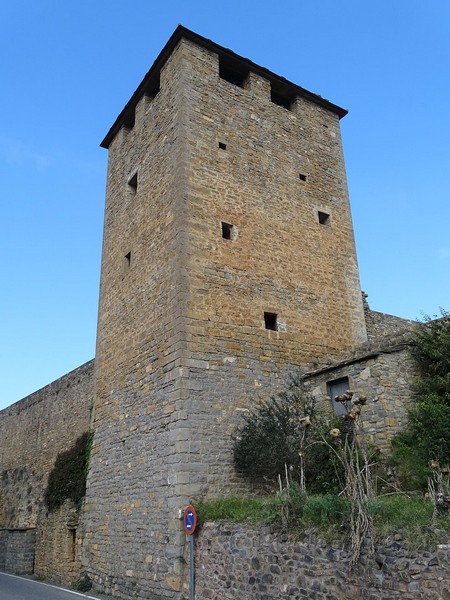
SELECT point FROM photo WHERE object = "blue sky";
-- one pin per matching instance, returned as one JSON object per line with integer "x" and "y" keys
{"x": 67, "y": 69}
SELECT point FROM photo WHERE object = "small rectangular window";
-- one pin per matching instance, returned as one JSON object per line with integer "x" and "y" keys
{"x": 324, "y": 218}
{"x": 227, "y": 231}
{"x": 127, "y": 261}
{"x": 73, "y": 543}
{"x": 271, "y": 321}
{"x": 222, "y": 146}
{"x": 302, "y": 176}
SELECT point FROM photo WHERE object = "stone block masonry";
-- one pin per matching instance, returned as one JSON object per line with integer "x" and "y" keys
{"x": 58, "y": 544}
{"x": 228, "y": 261}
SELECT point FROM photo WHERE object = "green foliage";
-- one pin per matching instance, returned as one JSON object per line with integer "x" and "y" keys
{"x": 67, "y": 479}
{"x": 274, "y": 435}
{"x": 432, "y": 352}
{"x": 84, "y": 584}
{"x": 427, "y": 436}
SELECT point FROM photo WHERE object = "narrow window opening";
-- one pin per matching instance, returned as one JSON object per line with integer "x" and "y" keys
{"x": 222, "y": 146}
{"x": 302, "y": 176}
{"x": 232, "y": 72}
{"x": 73, "y": 544}
{"x": 133, "y": 183}
{"x": 271, "y": 321}
{"x": 227, "y": 231}
{"x": 127, "y": 261}
{"x": 324, "y": 218}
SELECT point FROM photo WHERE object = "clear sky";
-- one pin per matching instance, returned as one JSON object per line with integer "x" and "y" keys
{"x": 68, "y": 67}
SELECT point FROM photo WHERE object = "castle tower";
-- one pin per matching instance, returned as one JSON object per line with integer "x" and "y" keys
{"x": 228, "y": 260}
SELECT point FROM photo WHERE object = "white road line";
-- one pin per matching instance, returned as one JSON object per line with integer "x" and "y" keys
{"x": 49, "y": 585}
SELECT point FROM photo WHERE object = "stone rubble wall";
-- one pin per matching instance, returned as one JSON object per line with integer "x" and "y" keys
{"x": 58, "y": 547}
{"x": 240, "y": 561}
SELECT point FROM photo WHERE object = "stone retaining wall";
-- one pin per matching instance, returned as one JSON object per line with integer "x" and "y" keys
{"x": 239, "y": 561}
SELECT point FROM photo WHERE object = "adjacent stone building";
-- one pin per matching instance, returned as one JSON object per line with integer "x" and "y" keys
{"x": 228, "y": 263}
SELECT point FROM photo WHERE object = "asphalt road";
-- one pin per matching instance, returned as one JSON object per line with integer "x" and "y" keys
{"x": 20, "y": 588}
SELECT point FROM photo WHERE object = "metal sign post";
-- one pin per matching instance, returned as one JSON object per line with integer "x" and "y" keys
{"x": 190, "y": 525}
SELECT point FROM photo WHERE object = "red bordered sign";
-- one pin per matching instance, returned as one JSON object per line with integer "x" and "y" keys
{"x": 190, "y": 520}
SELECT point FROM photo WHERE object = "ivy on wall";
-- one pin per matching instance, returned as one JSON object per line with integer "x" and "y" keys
{"x": 67, "y": 480}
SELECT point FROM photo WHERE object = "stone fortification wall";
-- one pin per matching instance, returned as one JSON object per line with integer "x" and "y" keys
{"x": 238, "y": 561}
{"x": 381, "y": 325}
{"x": 33, "y": 431}
{"x": 385, "y": 377}
{"x": 135, "y": 469}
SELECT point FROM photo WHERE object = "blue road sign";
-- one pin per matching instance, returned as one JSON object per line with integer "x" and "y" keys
{"x": 190, "y": 520}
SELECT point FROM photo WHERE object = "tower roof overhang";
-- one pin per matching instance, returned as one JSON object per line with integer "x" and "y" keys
{"x": 148, "y": 84}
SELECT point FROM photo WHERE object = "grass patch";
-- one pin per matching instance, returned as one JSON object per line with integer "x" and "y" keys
{"x": 325, "y": 511}
{"x": 237, "y": 510}
{"x": 410, "y": 517}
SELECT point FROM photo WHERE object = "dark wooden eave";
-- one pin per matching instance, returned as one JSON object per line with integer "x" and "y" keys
{"x": 147, "y": 85}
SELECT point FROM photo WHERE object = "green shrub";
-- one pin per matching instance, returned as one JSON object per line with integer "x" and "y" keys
{"x": 431, "y": 349}
{"x": 67, "y": 480}
{"x": 427, "y": 435}
{"x": 426, "y": 438}
{"x": 274, "y": 435}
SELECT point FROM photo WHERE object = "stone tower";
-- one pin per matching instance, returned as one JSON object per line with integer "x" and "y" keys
{"x": 228, "y": 260}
